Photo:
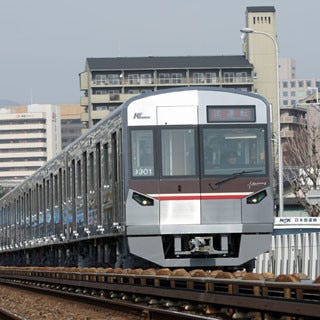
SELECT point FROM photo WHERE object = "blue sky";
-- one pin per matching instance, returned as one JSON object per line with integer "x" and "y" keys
{"x": 44, "y": 43}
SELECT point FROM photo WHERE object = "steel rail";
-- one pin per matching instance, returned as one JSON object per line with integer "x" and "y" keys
{"x": 233, "y": 293}
{"x": 6, "y": 314}
{"x": 147, "y": 312}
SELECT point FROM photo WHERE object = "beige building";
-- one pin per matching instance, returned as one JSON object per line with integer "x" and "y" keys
{"x": 287, "y": 68}
{"x": 71, "y": 124}
{"x": 261, "y": 51}
{"x": 108, "y": 82}
{"x": 29, "y": 137}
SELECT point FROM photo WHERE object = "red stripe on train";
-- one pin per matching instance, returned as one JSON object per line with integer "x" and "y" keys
{"x": 206, "y": 197}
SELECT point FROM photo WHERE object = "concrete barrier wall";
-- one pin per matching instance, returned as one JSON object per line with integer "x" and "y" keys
{"x": 292, "y": 253}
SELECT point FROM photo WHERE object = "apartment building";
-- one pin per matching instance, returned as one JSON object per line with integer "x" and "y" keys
{"x": 71, "y": 124}
{"x": 29, "y": 136}
{"x": 108, "y": 82}
{"x": 294, "y": 90}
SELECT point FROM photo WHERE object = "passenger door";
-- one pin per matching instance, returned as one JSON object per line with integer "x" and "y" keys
{"x": 179, "y": 188}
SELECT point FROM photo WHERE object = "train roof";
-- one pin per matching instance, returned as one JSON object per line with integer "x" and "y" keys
{"x": 173, "y": 62}
{"x": 193, "y": 88}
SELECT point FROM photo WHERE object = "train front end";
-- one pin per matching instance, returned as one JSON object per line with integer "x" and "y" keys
{"x": 199, "y": 178}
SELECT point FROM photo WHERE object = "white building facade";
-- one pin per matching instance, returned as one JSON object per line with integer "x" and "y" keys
{"x": 27, "y": 141}
{"x": 292, "y": 89}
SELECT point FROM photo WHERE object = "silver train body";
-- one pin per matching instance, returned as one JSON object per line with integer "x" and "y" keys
{"x": 151, "y": 185}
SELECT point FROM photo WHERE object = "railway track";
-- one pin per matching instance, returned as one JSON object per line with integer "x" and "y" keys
{"x": 178, "y": 294}
{"x": 6, "y": 314}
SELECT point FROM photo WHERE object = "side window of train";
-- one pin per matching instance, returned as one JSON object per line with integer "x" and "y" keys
{"x": 142, "y": 153}
{"x": 105, "y": 168}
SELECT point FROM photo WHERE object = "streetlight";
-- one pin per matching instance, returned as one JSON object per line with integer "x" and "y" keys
{"x": 280, "y": 164}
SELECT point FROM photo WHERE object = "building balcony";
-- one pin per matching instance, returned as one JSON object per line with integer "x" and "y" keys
{"x": 293, "y": 120}
{"x": 22, "y": 136}
{"x": 84, "y": 117}
{"x": 22, "y": 155}
{"x": 23, "y": 126}
{"x": 24, "y": 145}
{"x": 22, "y": 164}
{"x": 12, "y": 174}
{"x": 84, "y": 101}
{"x": 99, "y": 114}
{"x": 112, "y": 97}
{"x": 184, "y": 81}
{"x": 84, "y": 81}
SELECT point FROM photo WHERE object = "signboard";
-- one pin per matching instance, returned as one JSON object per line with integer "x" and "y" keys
{"x": 231, "y": 114}
{"x": 297, "y": 220}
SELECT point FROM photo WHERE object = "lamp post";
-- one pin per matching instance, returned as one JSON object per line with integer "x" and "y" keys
{"x": 280, "y": 161}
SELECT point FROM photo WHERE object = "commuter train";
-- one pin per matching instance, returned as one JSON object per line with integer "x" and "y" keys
{"x": 151, "y": 185}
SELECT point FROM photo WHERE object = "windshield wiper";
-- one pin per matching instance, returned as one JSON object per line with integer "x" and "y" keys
{"x": 233, "y": 176}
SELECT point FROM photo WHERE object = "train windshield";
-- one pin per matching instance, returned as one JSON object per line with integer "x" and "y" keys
{"x": 230, "y": 150}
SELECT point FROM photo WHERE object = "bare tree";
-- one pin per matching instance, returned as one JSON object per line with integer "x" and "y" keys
{"x": 302, "y": 161}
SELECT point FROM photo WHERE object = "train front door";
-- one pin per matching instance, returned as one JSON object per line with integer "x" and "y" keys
{"x": 179, "y": 186}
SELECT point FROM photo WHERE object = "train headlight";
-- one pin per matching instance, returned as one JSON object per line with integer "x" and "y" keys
{"x": 142, "y": 200}
{"x": 256, "y": 198}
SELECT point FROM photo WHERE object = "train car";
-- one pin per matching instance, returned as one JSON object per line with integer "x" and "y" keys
{"x": 173, "y": 178}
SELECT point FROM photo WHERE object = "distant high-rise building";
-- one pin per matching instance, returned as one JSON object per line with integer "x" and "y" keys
{"x": 287, "y": 68}
{"x": 71, "y": 124}
{"x": 29, "y": 136}
{"x": 261, "y": 52}
{"x": 293, "y": 91}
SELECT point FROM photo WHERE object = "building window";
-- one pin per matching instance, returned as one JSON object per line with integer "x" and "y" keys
{"x": 164, "y": 78}
{"x": 100, "y": 79}
{"x": 113, "y": 78}
{"x": 241, "y": 76}
{"x": 285, "y": 102}
{"x": 301, "y": 84}
{"x": 292, "y": 84}
{"x": 146, "y": 78}
{"x": 176, "y": 77}
{"x": 228, "y": 76}
{"x": 285, "y": 84}
{"x": 133, "y": 79}
{"x": 113, "y": 91}
{"x": 100, "y": 107}
{"x": 198, "y": 77}
{"x": 145, "y": 90}
{"x": 293, "y": 93}
{"x": 211, "y": 77}
{"x": 285, "y": 93}
{"x": 133, "y": 91}
{"x": 308, "y": 82}
{"x": 99, "y": 91}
